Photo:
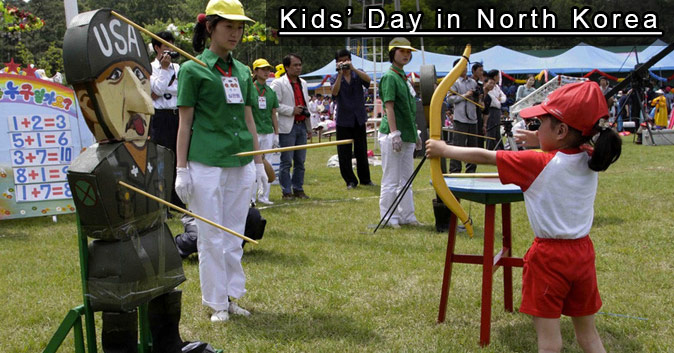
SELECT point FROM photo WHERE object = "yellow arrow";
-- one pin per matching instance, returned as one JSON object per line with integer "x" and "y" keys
{"x": 294, "y": 148}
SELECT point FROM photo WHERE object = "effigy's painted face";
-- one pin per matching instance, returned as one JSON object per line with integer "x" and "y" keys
{"x": 107, "y": 63}
{"x": 122, "y": 92}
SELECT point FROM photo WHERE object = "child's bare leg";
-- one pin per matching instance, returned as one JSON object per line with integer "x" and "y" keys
{"x": 549, "y": 334}
{"x": 587, "y": 335}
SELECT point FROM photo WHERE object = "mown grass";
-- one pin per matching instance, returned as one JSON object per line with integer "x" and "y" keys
{"x": 320, "y": 281}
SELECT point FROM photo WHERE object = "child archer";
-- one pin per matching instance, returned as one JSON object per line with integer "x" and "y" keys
{"x": 559, "y": 186}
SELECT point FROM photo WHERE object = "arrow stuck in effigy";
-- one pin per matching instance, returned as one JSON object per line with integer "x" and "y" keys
{"x": 182, "y": 210}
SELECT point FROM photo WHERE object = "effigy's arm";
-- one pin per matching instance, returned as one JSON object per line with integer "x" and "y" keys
{"x": 435, "y": 131}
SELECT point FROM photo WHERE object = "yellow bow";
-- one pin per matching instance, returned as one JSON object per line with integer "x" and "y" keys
{"x": 435, "y": 129}
{"x": 280, "y": 70}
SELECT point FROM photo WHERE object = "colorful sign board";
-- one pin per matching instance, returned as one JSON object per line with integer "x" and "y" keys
{"x": 41, "y": 132}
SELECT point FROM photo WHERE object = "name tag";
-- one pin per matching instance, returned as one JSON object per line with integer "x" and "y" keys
{"x": 411, "y": 87}
{"x": 232, "y": 90}
{"x": 262, "y": 102}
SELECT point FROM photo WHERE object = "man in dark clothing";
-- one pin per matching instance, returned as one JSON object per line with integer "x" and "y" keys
{"x": 347, "y": 90}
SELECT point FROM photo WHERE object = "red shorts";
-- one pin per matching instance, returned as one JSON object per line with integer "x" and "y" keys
{"x": 559, "y": 277}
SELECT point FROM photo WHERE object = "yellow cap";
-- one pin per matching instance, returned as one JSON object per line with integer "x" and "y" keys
{"x": 261, "y": 63}
{"x": 400, "y": 42}
{"x": 229, "y": 9}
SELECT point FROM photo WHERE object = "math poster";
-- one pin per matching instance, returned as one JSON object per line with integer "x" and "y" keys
{"x": 41, "y": 133}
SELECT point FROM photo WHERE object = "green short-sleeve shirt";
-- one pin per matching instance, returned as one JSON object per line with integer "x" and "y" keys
{"x": 219, "y": 129}
{"x": 393, "y": 88}
{"x": 262, "y": 117}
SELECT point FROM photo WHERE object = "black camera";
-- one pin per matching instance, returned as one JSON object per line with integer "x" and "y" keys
{"x": 305, "y": 112}
{"x": 172, "y": 54}
{"x": 343, "y": 66}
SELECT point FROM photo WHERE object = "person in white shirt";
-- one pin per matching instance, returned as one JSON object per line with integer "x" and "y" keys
{"x": 164, "y": 86}
{"x": 493, "y": 100}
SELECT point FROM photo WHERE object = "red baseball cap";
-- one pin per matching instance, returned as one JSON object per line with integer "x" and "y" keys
{"x": 579, "y": 105}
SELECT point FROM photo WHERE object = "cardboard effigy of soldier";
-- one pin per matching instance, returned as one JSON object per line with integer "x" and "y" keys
{"x": 133, "y": 259}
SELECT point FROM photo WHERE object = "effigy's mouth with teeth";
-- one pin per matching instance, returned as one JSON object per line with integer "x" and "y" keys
{"x": 137, "y": 124}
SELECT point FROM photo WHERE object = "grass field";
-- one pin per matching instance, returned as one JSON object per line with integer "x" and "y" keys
{"x": 320, "y": 281}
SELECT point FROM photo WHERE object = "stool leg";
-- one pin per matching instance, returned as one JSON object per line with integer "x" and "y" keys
{"x": 447, "y": 275}
{"x": 487, "y": 274}
{"x": 507, "y": 270}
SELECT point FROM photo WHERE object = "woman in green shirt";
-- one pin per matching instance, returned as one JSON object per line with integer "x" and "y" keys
{"x": 266, "y": 122}
{"x": 398, "y": 135}
{"x": 216, "y": 122}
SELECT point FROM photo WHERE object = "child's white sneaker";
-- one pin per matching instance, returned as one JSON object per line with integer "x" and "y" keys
{"x": 235, "y": 309}
{"x": 220, "y": 316}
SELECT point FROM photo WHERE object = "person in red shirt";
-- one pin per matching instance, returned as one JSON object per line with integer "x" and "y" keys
{"x": 559, "y": 186}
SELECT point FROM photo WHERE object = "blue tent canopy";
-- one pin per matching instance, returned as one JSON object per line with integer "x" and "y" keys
{"x": 508, "y": 60}
{"x": 580, "y": 59}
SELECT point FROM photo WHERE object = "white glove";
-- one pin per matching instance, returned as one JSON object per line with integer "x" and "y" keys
{"x": 183, "y": 184}
{"x": 260, "y": 175}
{"x": 396, "y": 141}
{"x": 275, "y": 142}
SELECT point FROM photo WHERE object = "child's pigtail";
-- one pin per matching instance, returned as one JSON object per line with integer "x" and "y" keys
{"x": 200, "y": 32}
{"x": 607, "y": 147}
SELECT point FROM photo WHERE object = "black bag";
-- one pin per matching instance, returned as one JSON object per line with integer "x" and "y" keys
{"x": 255, "y": 225}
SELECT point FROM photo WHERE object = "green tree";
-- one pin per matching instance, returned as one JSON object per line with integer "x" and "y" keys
{"x": 23, "y": 55}
{"x": 51, "y": 60}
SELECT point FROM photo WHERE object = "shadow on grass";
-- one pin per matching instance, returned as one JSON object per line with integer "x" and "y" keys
{"x": 259, "y": 255}
{"x": 13, "y": 236}
{"x": 521, "y": 337}
{"x": 607, "y": 220}
{"x": 309, "y": 326}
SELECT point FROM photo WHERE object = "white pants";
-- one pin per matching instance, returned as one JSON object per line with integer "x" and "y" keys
{"x": 397, "y": 167}
{"x": 266, "y": 142}
{"x": 222, "y": 196}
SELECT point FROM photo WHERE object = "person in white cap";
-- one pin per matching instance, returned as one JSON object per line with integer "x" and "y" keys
{"x": 266, "y": 122}
{"x": 216, "y": 122}
{"x": 398, "y": 135}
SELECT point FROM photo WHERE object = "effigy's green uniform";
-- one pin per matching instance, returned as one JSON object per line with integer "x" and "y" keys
{"x": 133, "y": 258}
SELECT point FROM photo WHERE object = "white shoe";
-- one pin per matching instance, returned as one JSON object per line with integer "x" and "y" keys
{"x": 220, "y": 316}
{"x": 394, "y": 225}
{"x": 235, "y": 309}
{"x": 265, "y": 201}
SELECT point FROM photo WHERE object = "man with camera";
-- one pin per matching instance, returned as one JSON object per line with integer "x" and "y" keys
{"x": 347, "y": 90}
{"x": 294, "y": 125}
{"x": 164, "y": 86}
{"x": 465, "y": 118}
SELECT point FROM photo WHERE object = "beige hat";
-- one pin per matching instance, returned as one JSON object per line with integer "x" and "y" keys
{"x": 400, "y": 42}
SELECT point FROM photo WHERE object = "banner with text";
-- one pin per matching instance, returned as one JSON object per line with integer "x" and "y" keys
{"x": 41, "y": 132}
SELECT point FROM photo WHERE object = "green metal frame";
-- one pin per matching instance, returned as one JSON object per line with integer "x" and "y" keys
{"x": 73, "y": 319}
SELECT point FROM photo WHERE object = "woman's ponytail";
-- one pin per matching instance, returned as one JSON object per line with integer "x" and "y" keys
{"x": 607, "y": 148}
{"x": 200, "y": 32}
